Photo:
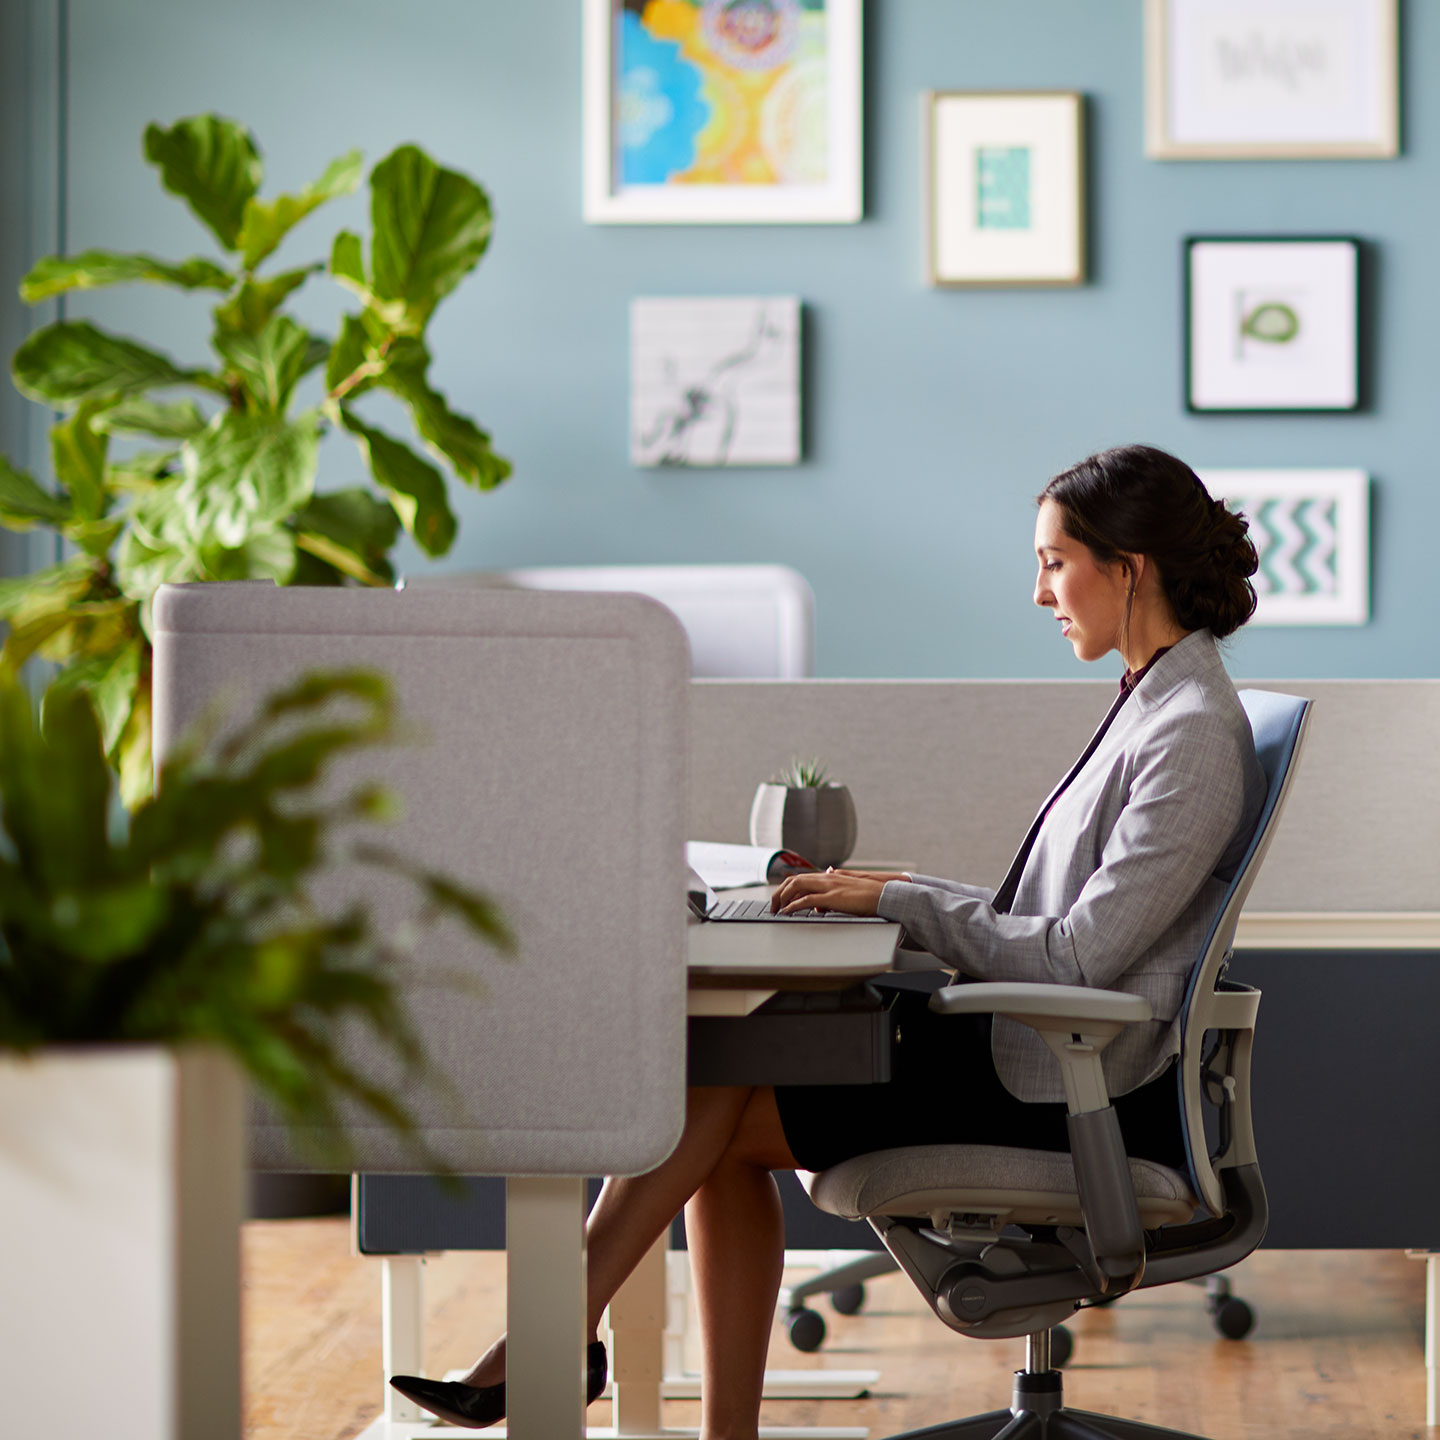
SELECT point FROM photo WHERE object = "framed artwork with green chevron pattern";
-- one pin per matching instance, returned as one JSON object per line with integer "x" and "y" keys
{"x": 1311, "y": 529}
{"x": 1272, "y": 323}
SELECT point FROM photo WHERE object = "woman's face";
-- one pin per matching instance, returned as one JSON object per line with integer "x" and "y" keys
{"x": 1088, "y": 598}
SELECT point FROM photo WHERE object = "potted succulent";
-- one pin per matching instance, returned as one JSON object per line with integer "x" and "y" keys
{"x": 801, "y": 810}
{"x": 147, "y": 962}
{"x": 169, "y": 470}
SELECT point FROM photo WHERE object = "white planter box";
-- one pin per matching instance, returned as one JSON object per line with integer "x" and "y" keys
{"x": 121, "y": 1195}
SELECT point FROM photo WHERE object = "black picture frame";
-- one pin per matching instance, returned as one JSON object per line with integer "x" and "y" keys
{"x": 1306, "y": 291}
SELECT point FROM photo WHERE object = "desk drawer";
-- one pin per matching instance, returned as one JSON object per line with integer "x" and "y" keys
{"x": 794, "y": 1040}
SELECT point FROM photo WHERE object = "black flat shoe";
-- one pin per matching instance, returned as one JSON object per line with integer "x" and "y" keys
{"x": 480, "y": 1405}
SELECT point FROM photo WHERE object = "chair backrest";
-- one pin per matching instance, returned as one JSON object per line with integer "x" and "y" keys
{"x": 547, "y": 767}
{"x": 1278, "y": 724}
{"x": 743, "y": 621}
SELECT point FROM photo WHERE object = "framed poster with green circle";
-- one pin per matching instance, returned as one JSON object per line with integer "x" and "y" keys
{"x": 1271, "y": 323}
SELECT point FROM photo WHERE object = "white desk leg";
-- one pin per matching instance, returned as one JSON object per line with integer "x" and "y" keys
{"x": 1432, "y": 1339}
{"x": 637, "y": 1330}
{"x": 545, "y": 1304}
{"x": 402, "y": 1330}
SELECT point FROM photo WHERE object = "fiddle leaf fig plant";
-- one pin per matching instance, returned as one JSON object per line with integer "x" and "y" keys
{"x": 193, "y": 918}
{"x": 170, "y": 471}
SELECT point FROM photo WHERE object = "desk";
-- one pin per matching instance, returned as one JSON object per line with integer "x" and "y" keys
{"x": 732, "y": 969}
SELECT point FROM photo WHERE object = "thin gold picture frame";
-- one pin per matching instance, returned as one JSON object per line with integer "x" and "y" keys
{"x": 1068, "y": 228}
{"x": 1161, "y": 143}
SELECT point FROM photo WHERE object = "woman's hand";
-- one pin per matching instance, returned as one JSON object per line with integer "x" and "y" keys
{"x": 846, "y": 891}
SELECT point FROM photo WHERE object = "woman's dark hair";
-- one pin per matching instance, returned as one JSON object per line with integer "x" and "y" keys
{"x": 1137, "y": 500}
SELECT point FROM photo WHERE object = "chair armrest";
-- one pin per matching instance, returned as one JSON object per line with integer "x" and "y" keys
{"x": 1033, "y": 1004}
{"x": 1077, "y": 1023}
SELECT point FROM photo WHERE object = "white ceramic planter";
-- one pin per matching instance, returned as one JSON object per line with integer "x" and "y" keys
{"x": 121, "y": 1195}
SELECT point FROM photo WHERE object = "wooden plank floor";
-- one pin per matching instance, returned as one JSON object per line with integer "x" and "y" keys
{"x": 1337, "y": 1353}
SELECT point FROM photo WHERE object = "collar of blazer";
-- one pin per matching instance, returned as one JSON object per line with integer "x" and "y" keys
{"x": 1193, "y": 657}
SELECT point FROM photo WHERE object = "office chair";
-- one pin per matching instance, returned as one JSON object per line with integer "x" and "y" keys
{"x": 1009, "y": 1242}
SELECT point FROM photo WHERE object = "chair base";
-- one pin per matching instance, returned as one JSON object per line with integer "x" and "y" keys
{"x": 1038, "y": 1413}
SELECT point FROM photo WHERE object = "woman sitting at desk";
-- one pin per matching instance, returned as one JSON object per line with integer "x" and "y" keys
{"x": 1115, "y": 887}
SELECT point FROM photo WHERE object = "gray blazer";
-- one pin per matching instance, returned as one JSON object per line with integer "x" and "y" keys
{"x": 1125, "y": 874}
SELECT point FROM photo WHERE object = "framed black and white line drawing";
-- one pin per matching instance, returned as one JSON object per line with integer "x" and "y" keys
{"x": 715, "y": 381}
{"x": 1271, "y": 323}
{"x": 1271, "y": 79}
{"x": 1311, "y": 529}
{"x": 1007, "y": 187}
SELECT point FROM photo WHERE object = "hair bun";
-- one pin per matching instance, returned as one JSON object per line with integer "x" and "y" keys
{"x": 1137, "y": 500}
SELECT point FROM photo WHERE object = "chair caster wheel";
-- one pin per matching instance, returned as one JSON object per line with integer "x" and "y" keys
{"x": 1234, "y": 1319}
{"x": 848, "y": 1299}
{"x": 1062, "y": 1346}
{"x": 807, "y": 1329}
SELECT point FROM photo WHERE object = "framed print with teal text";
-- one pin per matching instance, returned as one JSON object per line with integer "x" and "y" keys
{"x": 1007, "y": 188}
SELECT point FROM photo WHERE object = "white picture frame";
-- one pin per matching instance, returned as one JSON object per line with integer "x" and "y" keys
{"x": 1311, "y": 529}
{"x": 715, "y": 381}
{"x": 805, "y": 127}
{"x": 1271, "y": 79}
{"x": 1271, "y": 323}
{"x": 1006, "y": 188}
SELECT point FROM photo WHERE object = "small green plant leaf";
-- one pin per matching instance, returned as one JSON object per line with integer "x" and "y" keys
{"x": 78, "y": 452}
{"x": 351, "y": 530}
{"x": 213, "y": 165}
{"x": 347, "y": 263}
{"x": 92, "y": 269}
{"x": 431, "y": 226}
{"x": 415, "y": 487}
{"x": 25, "y": 503}
{"x": 454, "y": 437}
{"x": 245, "y": 472}
{"x": 53, "y": 590}
{"x": 165, "y": 420}
{"x": 256, "y": 301}
{"x": 267, "y": 222}
{"x": 353, "y": 362}
{"x": 112, "y": 681}
{"x": 266, "y": 553}
{"x": 269, "y": 364}
{"x": 73, "y": 361}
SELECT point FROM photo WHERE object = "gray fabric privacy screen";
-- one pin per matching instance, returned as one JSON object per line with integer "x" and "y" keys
{"x": 548, "y": 769}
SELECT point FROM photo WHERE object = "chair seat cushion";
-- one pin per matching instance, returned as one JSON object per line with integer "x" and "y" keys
{"x": 1018, "y": 1186}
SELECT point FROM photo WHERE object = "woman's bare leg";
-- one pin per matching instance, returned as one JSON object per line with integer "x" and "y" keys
{"x": 631, "y": 1214}
{"x": 736, "y": 1232}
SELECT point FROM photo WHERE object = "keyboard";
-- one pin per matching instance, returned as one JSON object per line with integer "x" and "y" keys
{"x": 760, "y": 910}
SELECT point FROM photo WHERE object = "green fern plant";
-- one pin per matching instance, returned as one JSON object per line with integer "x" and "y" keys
{"x": 192, "y": 919}
{"x": 222, "y": 486}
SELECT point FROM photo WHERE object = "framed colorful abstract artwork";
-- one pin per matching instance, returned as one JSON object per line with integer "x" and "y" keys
{"x": 1271, "y": 323}
{"x": 715, "y": 381}
{"x": 1007, "y": 189}
{"x": 1311, "y": 530}
{"x": 728, "y": 111}
{"x": 1271, "y": 79}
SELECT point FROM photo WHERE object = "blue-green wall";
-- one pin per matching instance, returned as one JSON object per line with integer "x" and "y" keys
{"x": 931, "y": 417}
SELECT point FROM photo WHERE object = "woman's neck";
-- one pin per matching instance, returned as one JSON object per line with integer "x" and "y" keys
{"x": 1140, "y": 645}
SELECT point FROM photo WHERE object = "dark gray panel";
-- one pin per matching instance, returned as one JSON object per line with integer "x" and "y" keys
{"x": 1347, "y": 1096}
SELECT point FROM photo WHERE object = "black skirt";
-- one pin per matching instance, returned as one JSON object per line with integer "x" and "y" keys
{"x": 944, "y": 1090}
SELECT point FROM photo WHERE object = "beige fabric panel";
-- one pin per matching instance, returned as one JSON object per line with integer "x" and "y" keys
{"x": 548, "y": 770}
{"x": 947, "y": 775}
